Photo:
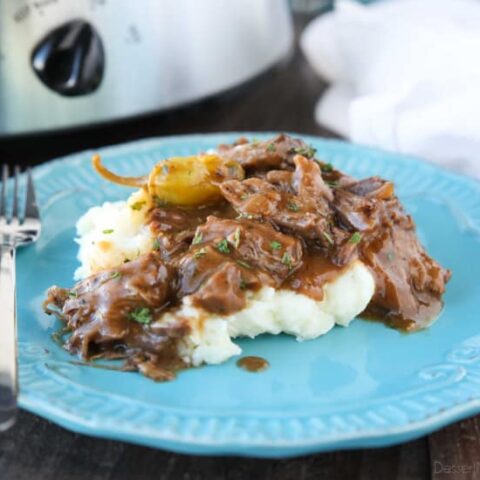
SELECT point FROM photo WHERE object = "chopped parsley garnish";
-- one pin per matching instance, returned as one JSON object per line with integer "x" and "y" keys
{"x": 243, "y": 284}
{"x": 156, "y": 244}
{"x": 108, "y": 231}
{"x": 271, "y": 147}
{"x": 200, "y": 253}
{"x": 141, "y": 315}
{"x": 73, "y": 294}
{"x": 138, "y": 205}
{"x": 355, "y": 238}
{"x": 126, "y": 260}
{"x": 274, "y": 245}
{"x": 244, "y": 196}
{"x": 293, "y": 206}
{"x": 244, "y": 264}
{"x": 115, "y": 275}
{"x": 222, "y": 246}
{"x": 307, "y": 151}
{"x": 197, "y": 238}
{"x": 248, "y": 216}
{"x": 328, "y": 238}
{"x": 332, "y": 183}
{"x": 255, "y": 141}
{"x": 326, "y": 167}
{"x": 287, "y": 260}
{"x": 236, "y": 238}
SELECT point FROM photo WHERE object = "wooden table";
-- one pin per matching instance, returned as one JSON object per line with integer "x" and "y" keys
{"x": 35, "y": 449}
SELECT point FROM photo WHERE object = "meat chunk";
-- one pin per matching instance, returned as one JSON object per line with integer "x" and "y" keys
{"x": 257, "y": 244}
{"x": 409, "y": 283}
{"x": 372, "y": 187}
{"x": 116, "y": 305}
{"x": 309, "y": 186}
{"x": 231, "y": 256}
{"x": 277, "y": 153}
{"x": 304, "y": 212}
{"x": 174, "y": 227}
{"x": 355, "y": 212}
{"x": 223, "y": 291}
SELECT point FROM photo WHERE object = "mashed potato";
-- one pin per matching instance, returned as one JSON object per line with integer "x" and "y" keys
{"x": 114, "y": 232}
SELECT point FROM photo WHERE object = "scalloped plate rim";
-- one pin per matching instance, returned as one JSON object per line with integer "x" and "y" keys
{"x": 355, "y": 439}
{"x": 389, "y": 436}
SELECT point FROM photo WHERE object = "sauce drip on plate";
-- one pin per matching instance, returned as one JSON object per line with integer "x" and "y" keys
{"x": 253, "y": 364}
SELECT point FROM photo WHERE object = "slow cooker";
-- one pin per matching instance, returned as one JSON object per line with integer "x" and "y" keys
{"x": 66, "y": 63}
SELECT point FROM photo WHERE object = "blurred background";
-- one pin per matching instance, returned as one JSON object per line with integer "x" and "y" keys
{"x": 396, "y": 74}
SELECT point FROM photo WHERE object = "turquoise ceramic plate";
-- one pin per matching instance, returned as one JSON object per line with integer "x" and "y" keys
{"x": 363, "y": 386}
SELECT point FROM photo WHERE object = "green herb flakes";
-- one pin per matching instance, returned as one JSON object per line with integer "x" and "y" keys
{"x": 200, "y": 253}
{"x": 355, "y": 238}
{"x": 156, "y": 244}
{"x": 271, "y": 147}
{"x": 73, "y": 294}
{"x": 197, "y": 238}
{"x": 293, "y": 206}
{"x": 328, "y": 238}
{"x": 138, "y": 205}
{"x": 244, "y": 264}
{"x": 326, "y": 167}
{"x": 236, "y": 238}
{"x": 307, "y": 151}
{"x": 115, "y": 275}
{"x": 141, "y": 315}
{"x": 222, "y": 246}
{"x": 287, "y": 260}
{"x": 108, "y": 231}
{"x": 243, "y": 284}
{"x": 274, "y": 245}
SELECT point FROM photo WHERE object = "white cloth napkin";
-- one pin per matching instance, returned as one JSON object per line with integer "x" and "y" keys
{"x": 405, "y": 76}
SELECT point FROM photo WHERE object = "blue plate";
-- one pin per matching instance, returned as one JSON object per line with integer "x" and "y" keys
{"x": 362, "y": 386}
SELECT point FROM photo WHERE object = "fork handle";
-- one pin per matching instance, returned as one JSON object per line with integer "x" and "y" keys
{"x": 8, "y": 338}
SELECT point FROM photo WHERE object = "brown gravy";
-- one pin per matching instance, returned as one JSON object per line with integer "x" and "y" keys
{"x": 253, "y": 364}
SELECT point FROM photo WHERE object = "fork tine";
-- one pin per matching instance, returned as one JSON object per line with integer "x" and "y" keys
{"x": 16, "y": 174}
{"x": 31, "y": 207}
{"x": 3, "y": 192}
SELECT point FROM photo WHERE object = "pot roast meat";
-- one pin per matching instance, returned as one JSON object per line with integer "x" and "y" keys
{"x": 409, "y": 283}
{"x": 104, "y": 311}
{"x": 292, "y": 223}
{"x": 305, "y": 212}
{"x": 174, "y": 227}
{"x": 257, "y": 244}
{"x": 231, "y": 256}
{"x": 254, "y": 156}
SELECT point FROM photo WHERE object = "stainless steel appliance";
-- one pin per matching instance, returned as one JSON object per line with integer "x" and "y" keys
{"x": 65, "y": 63}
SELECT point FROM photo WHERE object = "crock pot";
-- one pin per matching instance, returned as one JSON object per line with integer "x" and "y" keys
{"x": 66, "y": 63}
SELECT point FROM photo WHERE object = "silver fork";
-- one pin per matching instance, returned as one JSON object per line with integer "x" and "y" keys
{"x": 15, "y": 230}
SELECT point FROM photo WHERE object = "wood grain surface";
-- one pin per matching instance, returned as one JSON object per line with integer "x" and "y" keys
{"x": 34, "y": 449}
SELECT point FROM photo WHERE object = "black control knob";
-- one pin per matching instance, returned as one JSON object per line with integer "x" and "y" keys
{"x": 70, "y": 59}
